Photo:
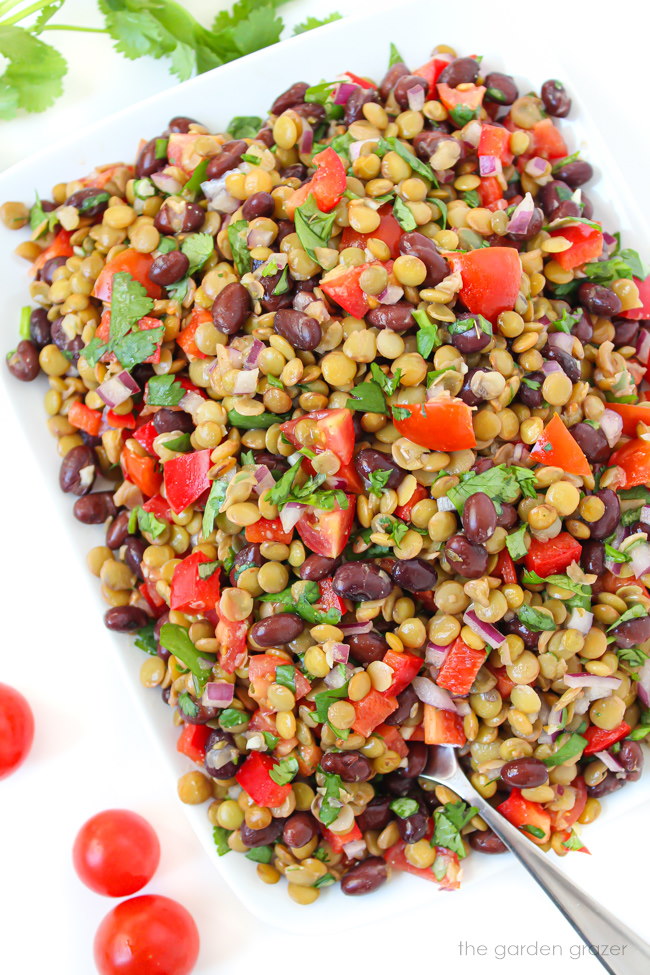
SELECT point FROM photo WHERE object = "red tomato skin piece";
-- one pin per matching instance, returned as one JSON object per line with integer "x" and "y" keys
{"x": 557, "y": 447}
{"x": 644, "y": 296}
{"x": 586, "y": 245}
{"x": 524, "y": 812}
{"x": 598, "y": 739}
{"x": 186, "y": 478}
{"x": 254, "y": 779}
{"x": 553, "y": 556}
{"x": 634, "y": 459}
{"x": 491, "y": 279}
{"x": 16, "y": 730}
{"x": 268, "y": 530}
{"x": 134, "y": 263}
{"x": 372, "y": 710}
{"x": 327, "y": 532}
{"x": 630, "y": 413}
{"x": 405, "y": 667}
{"x": 438, "y": 425}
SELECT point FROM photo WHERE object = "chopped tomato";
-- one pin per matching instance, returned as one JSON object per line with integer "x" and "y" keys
{"x": 231, "y": 638}
{"x": 181, "y": 151}
{"x": 338, "y": 840}
{"x": 565, "y": 818}
{"x": 329, "y": 599}
{"x": 586, "y": 245}
{"x": 634, "y": 459}
{"x": 145, "y": 435}
{"x": 156, "y": 602}
{"x": 491, "y": 279}
{"x": 460, "y": 667}
{"x": 192, "y": 741}
{"x": 631, "y": 414}
{"x": 346, "y": 478}
{"x": 362, "y": 82}
{"x": 159, "y": 507}
{"x": 557, "y": 447}
{"x": 186, "y": 478}
{"x": 392, "y": 739}
{"x": 142, "y": 471}
{"x": 636, "y": 314}
{"x": 554, "y": 555}
{"x": 599, "y": 740}
{"x": 444, "y": 424}
{"x": 254, "y": 778}
{"x": 531, "y": 818}
{"x": 120, "y": 421}
{"x": 432, "y": 71}
{"x": 611, "y": 583}
{"x": 190, "y": 592}
{"x": 100, "y": 177}
{"x": 443, "y": 727}
{"x": 83, "y": 418}
{"x": 327, "y": 532}
{"x": 372, "y": 710}
{"x": 394, "y": 856}
{"x": 268, "y": 530}
{"x": 490, "y": 191}
{"x": 327, "y": 185}
{"x": 469, "y": 96}
{"x": 185, "y": 338}
{"x": 405, "y": 667}
{"x": 404, "y": 511}
{"x": 495, "y": 141}
{"x": 547, "y": 140}
{"x": 505, "y": 567}
{"x": 60, "y": 247}
{"x": 346, "y": 291}
{"x": 261, "y": 673}
{"x": 504, "y": 684}
{"x": 335, "y": 432}
{"x": 388, "y": 231}
{"x": 134, "y": 263}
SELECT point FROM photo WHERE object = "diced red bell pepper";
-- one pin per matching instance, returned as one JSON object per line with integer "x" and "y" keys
{"x": 565, "y": 818}
{"x": 634, "y": 459}
{"x": 504, "y": 684}
{"x": 335, "y": 432}
{"x": 554, "y": 555}
{"x": 231, "y": 639}
{"x": 268, "y": 530}
{"x": 185, "y": 337}
{"x": 142, "y": 471}
{"x": 362, "y": 82}
{"x": 404, "y": 511}
{"x": 192, "y": 742}
{"x": 145, "y": 435}
{"x": 186, "y": 478}
{"x": 451, "y": 98}
{"x": 491, "y": 279}
{"x": 443, "y": 727}
{"x": 490, "y": 191}
{"x": 155, "y": 600}
{"x": 405, "y": 667}
{"x": 327, "y": 185}
{"x": 505, "y": 567}
{"x": 460, "y": 667}
{"x": 372, "y": 710}
{"x": 338, "y": 840}
{"x": 60, "y": 247}
{"x": 495, "y": 141}
{"x": 254, "y": 779}
{"x": 444, "y": 424}
{"x": 547, "y": 140}
{"x": 611, "y": 583}
{"x": 189, "y": 592}
{"x": 557, "y": 447}
{"x": 261, "y": 673}
{"x": 134, "y": 263}
{"x": 394, "y": 856}
{"x": 329, "y": 599}
{"x": 586, "y": 245}
{"x": 524, "y": 813}
{"x": 389, "y": 231}
{"x": 83, "y": 418}
{"x": 158, "y": 506}
{"x": 327, "y": 532}
{"x": 599, "y": 740}
{"x": 392, "y": 739}
{"x": 636, "y": 314}
{"x": 119, "y": 421}
{"x": 631, "y": 414}
{"x": 432, "y": 71}
{"x": 346, "y": 291}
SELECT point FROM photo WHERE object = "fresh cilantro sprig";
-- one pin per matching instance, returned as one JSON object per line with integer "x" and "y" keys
{"x": 314, "y": 228}
{"x": 501, "y": 483}
{"x": 164, "y": 391}
{"x": 146, "y": 521}
{"x": 304, "y": 605}
{"x": 449, "y": 820}
{"x": 129, "y": 303}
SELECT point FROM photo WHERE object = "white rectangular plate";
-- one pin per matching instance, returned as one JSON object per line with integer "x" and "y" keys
{"x": 241, "y": 88}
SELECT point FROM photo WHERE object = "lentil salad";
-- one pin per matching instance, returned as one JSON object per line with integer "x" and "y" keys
{"x": 385, "y": 322}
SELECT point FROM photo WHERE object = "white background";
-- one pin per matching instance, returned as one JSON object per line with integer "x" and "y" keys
{"x": 92, "y": 751}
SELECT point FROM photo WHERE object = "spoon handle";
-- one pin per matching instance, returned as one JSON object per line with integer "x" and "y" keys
{"x": 597, "y": 926}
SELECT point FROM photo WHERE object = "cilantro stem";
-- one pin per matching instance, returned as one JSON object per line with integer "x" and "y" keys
{"x": 88, "y": 30}
{"x": 10, "y": 21}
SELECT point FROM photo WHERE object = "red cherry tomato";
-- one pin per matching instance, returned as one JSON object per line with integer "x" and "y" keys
{"x": 116, "y": 853}
{"x": 148, "y": 935}
{"x": 16, "y": 729}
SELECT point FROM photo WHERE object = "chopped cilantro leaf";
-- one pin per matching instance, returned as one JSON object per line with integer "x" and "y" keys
{"x": 535, "y": 619}
{"x": 164, "y": 391}
{"x": 449, "y": 820}
{"x": 237, "y": 233}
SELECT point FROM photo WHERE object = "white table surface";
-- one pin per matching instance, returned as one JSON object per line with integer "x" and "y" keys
{"x": 91, "y": 752}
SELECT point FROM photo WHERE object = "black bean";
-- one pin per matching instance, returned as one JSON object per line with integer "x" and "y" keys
{"x": 467, "y": 394}
{"x": 300, "y": 330}
{"x": 418, "y": 245}
{"x": 221, "y": 745}
{"x": 593, "y": 442}
{"x": 530, "y": 637}
{"x": 485, "y": 841}
{"x": 249, "y": 555}
{"x": 535, "y": 225}
{"x": 273, "y": 461}
{"x": 555, "y": 98}
{"x": 168, "y": 268}
{"x": 62, "y": 340}
{"x": 524, "y": 773}
{"x": 148, "y": 162}
{"x": 587, "y": 206}
{"x": 258, "y": 205}
{"x": 46, "y": 273}
{"x": 165, "y": 421}
{"x": 228, "y": 158}
{"x": 261, "y": 837}
{"x": 479, "y": 517}
{"x": 274, "y": 631}
{"x": 366, "y": 647}
{"x": 94, "y": 509}
{"x": 297, "y": 171}
{"x": 88, "y": 193}
{"x": 355, "y": 103}
{"x": 583, "y": 329}
{"x": 231, "y": 308}
{"x": 317, "y": 567}
{"x": 71, "y": 479}
{"x": 507, "y": 517}
{"x": 632, "y": 632}
{"x": 459, "y": 71}
{"x": 406, "y": 700}
{"x": 273, "y": 302}
{"x": 39, "y": 328}
{"x": 501, "y": 88}
{"x": 23, "y": 363}
{"x": 181, "y": 123}
{"x": 425, "y": 143}
{"x": 365, "y": 877}
{"x": 404, "y": 85}
{"x": 390, "y": 79}
{"x": 368, "y": 461}
{"x": 125, "y": 619}
{"x": 630, "y": 755}
{"x": 201, "y": 714}
{"x": 466, "y": 558}
{"x": 376, "y": 815}
{"x": 412, "y": 828}
{"x": 414, "y": 575}
{"x": 117, "y": 530}
{"x": 599, "y": 300}
{"x": 361, "y": 581}
{"x": 398, "y": 318}
{"x": 552, "y": 194}
{"x": 474, "y": 339}
{"x": 351, "y": 766}
{"x": 592, "y": 558}
{"x": 292, "y": 96}
{"x": 179, "y": 216}
{"x": 606, "y": 524}
{"x": 161, "y": 651}
{"x": 265, "y": 135}
{"x": 134, "y": 549}
{"x": 568, "y": 364}
{"x": 611, "y": 783}
{"x": 626, "y": 332}
{"x": 576, "y": 174}
{"x": 299, "y": 830}
{"x": 312, "y": 111}
{"x": 416, "y": 761}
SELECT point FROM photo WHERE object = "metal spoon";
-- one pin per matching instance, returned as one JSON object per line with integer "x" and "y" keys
{"x": 595, "y": 925}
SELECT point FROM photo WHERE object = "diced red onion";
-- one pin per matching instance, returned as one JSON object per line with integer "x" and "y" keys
{"x": 318, "y": 310}
{"x": 561, "y": 340}
{"x": 354, "y": 149}
{"x": 250, "y": 362}
{"x": 391, "y": 295}
{"x": 436, "y": 654}
{"x": 643, "y": 684}
{"x": 191, "y": 401}
{"x": 609, "y": 761}
{"x": 343, "y": 92}
{"x": 245, "y": 382}
{"x": 216, "y": 758}
{"x": 301, "y": 300}
{"x": 612, "y": 426}
{"x": 640, "y": 559}
{"x": 291, "y": 515}
{"x": 486, "y": 631}
{"x": 445, "y": 175}
{"x": 234, "y": 358}
{"x": 445, "y": 504}
{"x": 167, "y": 183}
{"x": 596, "y": 686}
{"x": 489, "y": 165}
{"x": 415, "y": 97}
{"x": 580, "y": 620}
{"x": 218, "y": 694}
{"x": 117, "y": 389}
{"x": 128, "y": 496}
{"x": 258, "y": 237}
{"x": 355, "y": 849}
{"x": 521, "y": 455}
{"x": 340, "y": 653}
{"x": 536, "y": 166}
{"x": 306, "y": 138}
{"x": 643, "y": 346}
{"x": 645, "y": 514}
{"x": 355, "y": 629}
{"x": 463, "y": 708}
{"x": 608, "y": 239}
{"x": 521, "y": 216}
{"x": 471, "y": 135}
{"x": 430, "y": 693}
{"x": 338, "y": 676}
{"x": 218, "y": 197}
{"x": 263, "y": 479}
{"x": 551, "y": 366}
